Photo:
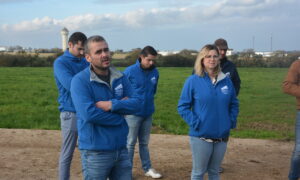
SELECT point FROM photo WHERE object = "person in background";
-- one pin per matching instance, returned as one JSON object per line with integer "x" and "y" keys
{"x": 291, "y": 85}
{"x": 65, "y": 68}
{"x": 143, "y": 75}
{"x": 209, "y": 106}
{"x": 227, "y": 67}
{"x": 102, "y": 96}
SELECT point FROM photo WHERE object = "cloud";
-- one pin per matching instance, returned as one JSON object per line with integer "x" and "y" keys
{"x": 118, "y": 1}
{"x": 159, "y": 3}
{"x": 33, "y": 25}
{"x": 139, "y": 1}
{"x": 224, "y": 11}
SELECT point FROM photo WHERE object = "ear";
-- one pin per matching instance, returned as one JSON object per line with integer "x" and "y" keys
{"x": 88, "y": 58}
{"x": 142, "y": 56}
{"x": 70, "y": 44}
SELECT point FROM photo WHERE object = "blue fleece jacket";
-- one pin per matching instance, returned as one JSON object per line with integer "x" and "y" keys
{"x": 98, "y": 129}
{"x": 145, "y": 83}
{"x": 66, "y": 67}
{"x": 209, "y": 110}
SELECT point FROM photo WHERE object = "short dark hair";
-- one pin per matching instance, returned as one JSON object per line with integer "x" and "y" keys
{"x": 221, "y": 43}
{"x": 148, "y": 50}
{"x": 76, "y": 37}
{"x": 91, "y": 39}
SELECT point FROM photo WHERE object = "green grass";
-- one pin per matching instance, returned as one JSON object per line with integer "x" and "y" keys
{"x": 265, "y": 112}
{"x": 28, "y": 99}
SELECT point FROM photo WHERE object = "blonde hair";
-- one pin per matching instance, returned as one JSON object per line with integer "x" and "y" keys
{"x": 199, "y": 67}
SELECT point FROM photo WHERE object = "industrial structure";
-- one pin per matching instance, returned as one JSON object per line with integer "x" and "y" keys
{"x": 64, "y": 36}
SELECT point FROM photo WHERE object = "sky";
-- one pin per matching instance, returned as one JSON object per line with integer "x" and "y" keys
{"x": 167, "y": 25}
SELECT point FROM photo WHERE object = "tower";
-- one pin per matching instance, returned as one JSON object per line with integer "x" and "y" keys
{"x": 64, "y": 36}
{"x": 271, "y": 43}
{"x": 253, "y": 42}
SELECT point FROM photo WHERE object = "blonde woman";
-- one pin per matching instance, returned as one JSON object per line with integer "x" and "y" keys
{"x": 208, "y": 104}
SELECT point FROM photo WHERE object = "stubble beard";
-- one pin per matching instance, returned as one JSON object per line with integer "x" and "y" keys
{"x": 101, "y": 68}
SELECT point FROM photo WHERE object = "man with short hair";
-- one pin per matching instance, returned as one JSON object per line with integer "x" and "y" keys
{"x": 143, "y": 75}
{"x": 291, "y": 86}
{"x": 65, "y": 68}
{"x": 227, "y": 67}
{"x": 102, "y": 96}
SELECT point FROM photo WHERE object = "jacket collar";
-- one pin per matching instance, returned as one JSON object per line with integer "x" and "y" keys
{"x": 220, "y": 77}
{"x": 223, "y": 60}
{"x": 138, "y": 64}
{"x": 114, "y": 74}
{"x": 69, "y": 55}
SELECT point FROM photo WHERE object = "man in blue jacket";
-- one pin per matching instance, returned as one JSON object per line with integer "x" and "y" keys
{"x": 143, "y": 75}
{"x": 102, "y": 96}
{"x": 65, "y": 67}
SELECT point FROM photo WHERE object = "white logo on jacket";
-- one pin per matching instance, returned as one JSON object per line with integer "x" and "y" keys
{"x": 119, "y": 90}
{"x": 153, "y": 80}
{"x": 227, "y": 74}
{"x": 225, "y": 89}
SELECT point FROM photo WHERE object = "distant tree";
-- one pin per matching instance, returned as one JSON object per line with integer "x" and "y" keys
{"x": 55, "y": 50}
{"x": 18, "y": 48}
{"x": 119, "y": 51}
{"x": 233, "y": 57}
{"x": 132, "y": 56}
{"x": 176, "y": 60}
{"x": 42, "y": 50}
{"x": 30, "y": 49}
{"x": 25, "y": 60}
{"x": 279, "y": 53}
{"x": 188, "y": 53}
{"x": 247, "y": 53}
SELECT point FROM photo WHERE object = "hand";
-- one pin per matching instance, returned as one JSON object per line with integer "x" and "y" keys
{"x": 124, "y": 98}
{"x": 104, "y": 105}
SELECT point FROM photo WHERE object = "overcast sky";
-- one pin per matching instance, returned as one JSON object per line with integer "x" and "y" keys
{"x": 164, "y": 24}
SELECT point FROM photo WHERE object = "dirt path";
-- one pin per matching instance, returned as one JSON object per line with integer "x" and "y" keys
{"x": 33, "y": 155}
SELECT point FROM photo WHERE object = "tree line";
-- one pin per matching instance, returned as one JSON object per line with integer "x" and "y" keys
{"x": 185, "y": 58}
{"x": 23, "y": 59}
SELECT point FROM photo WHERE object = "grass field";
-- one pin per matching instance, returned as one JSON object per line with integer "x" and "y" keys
{"x": 28, "y": 100}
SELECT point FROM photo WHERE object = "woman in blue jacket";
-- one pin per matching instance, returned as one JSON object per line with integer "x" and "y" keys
{"x": 208, "y": 104}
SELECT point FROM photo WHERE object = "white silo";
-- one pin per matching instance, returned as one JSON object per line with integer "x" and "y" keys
{"x": 64, "y": 36}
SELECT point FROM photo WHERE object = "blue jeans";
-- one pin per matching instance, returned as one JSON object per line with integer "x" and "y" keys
{"x": 294, "y": 173}
{"x": 100, "y": 165}
{"x": 68, "y": 123}
{"x": 139, "y": 128}
{"x": 207, "y": 157}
